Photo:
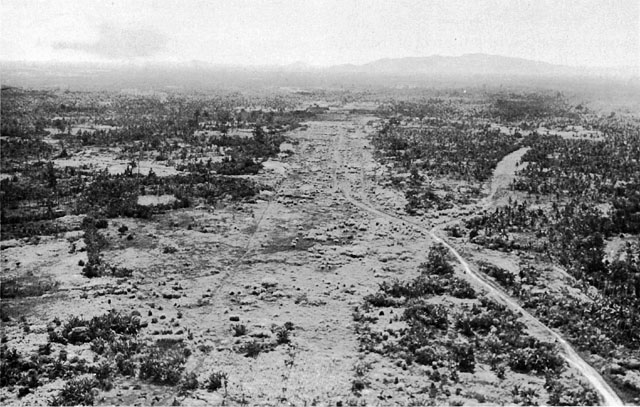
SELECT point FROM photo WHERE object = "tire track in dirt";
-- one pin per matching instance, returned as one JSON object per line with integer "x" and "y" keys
{"x": 247, "y": 247}
{"x": 607, "y": 396}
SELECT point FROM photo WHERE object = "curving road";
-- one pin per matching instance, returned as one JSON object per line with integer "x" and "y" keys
{"x": 608, "y": 397}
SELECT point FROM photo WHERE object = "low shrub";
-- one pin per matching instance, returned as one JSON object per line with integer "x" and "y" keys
{"x": 540, "y": 359}
{"x": 464, "y": 356}
{"x": 163, "y": 365}
{"x": 76, "y": 392}
{"x": 189, "y": 382}
{"x": 78, "y": 330}
{"x": 380, "y": 299}
{"x": 282, "y": 335}
{"x": 426, "y": 314}
{"x": 503, "y": 277}
{"x": 252, "y": 349}
{"x": 239, "y": 329}
{"x": 216, "y": 381}
{"x": 104, "y": 373}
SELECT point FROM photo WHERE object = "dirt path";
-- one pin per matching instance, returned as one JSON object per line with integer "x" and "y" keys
{"x": 504, "y": 173}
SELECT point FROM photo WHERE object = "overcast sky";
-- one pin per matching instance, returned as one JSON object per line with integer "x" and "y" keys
{"x": 321, "y": 32}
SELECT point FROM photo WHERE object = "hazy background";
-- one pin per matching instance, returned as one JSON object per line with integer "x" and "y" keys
{"x": 590, "y": 33}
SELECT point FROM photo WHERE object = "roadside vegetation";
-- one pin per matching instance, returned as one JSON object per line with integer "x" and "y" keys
{"x": 440, "y": 325}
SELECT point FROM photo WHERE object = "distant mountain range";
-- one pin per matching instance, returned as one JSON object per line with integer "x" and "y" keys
{"x": 475, "y": 64}
{"x": 434, "y": 71}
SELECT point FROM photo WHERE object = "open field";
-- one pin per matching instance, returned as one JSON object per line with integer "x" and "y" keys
{"x": 408, "y": 250}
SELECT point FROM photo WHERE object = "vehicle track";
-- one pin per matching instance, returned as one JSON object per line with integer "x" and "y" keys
{"x": 607, "y": 396}
{"x": 228, "y": 272}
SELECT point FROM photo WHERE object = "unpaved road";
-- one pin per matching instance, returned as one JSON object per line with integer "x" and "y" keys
{"x": 504, "y": 172}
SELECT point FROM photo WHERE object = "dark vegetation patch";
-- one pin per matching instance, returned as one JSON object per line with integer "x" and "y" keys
{"x": 113, "y": 338}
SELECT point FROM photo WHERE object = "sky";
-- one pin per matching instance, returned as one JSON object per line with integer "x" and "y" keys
{"x": 590, "y": 33}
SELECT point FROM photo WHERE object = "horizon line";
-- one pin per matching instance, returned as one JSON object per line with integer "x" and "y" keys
{"x": 168, "y": 62}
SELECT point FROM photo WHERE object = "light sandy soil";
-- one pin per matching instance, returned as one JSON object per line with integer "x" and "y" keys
{"x": 151, "y": 200}
{"x": 573, "y": 132}
{"x": 75, "y": 129}
{"x": 503, "y": 176}
{"x": 100, "y": 159}
{"x": 569, "y": 133}
{"x": 306, "y": 254}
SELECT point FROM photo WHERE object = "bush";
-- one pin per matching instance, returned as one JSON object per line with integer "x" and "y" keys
{"x": 189, "y": 382}
{"x": 163, "y": 365}
{"x": 437, "y": 262}
{"x": 561, "y": 395}
{"x": 101, "y": 224}
{"x": 78, "y": 330}
{"x": 461, "y": 289}
{"x": 503, "y": 277}
{"x": 252, "y": 349}
{"x": 169, "y": 249}
{"x": 76, "y": 392}
{"x": 379, "y": 299}
{"x": 426, "y": 314}
{"x": 91, "y": 271}
{"x": 282, "y": 335}
{"x": 103, "y": 373}
{"x": 11, "y": 367}
{"x": 541, "y": 358}
{"x": 239, "y": 330}
{"x": 357, "y": 385}
{"x": 464, "y": 356}
{"x": 426, "y": 355}
{"x": 216, "y": 381}
{"x": 125, "y": 365}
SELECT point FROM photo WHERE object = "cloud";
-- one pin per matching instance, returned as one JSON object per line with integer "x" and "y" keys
{"x": 120, "y": 43}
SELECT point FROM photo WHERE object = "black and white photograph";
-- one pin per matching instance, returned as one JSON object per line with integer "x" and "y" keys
{"x": 325, "y": 203}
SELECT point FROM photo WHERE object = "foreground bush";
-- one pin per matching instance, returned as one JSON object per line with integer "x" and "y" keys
{"x": 216, "y": 381}
{"x": 78, "y": 330}
{"x": 163, "y": 364}
{"x": 77, "y": 392}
